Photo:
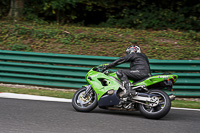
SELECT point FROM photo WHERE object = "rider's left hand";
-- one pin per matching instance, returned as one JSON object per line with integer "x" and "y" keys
{"x": 105, "y": 67}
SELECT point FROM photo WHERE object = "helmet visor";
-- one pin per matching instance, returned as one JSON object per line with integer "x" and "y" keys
{"x": 130, "y": 50}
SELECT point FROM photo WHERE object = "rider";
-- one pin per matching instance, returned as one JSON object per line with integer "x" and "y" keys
{"x": 139, "y": 68}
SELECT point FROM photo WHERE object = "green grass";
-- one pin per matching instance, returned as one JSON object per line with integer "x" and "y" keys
{"x": 69, "y": 95}
{"x": 186, "y": 104}
{"x": 69, "y": 39}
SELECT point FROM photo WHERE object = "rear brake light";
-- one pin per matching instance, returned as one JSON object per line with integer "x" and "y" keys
{"x": 174, "y": 77}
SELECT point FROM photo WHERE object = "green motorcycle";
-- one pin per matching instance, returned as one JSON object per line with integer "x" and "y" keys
{"x": 105, "y": 90}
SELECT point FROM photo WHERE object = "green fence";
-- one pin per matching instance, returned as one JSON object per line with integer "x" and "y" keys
{"x": 68, "y": 71}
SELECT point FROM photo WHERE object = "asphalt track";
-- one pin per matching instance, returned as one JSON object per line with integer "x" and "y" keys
{"x": 28, "y": 116}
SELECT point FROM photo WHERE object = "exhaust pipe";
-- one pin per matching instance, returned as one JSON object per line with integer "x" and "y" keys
{"x": 172, "y": 97}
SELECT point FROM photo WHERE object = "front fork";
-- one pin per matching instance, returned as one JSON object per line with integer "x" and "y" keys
{"x": 88, "y": 89}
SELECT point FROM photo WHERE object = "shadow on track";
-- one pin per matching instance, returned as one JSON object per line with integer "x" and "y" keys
{"x": 118, "y": 113}
{"x": 173, "y": 115}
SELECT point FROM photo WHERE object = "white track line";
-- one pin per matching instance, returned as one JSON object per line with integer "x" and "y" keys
{"x": 33, "y": 97}
{"x": 45, "y": 98}
{"x": 186, "y": 109}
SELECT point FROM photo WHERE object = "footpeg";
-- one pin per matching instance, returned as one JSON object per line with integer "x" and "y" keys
{"x": 172, "y": 97}
{"x": 140, "y": 87}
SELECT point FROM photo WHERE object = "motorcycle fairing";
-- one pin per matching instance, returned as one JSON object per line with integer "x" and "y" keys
{"x": 150, "y": 80}
{"x": 95, "y": 80}
{"x": 109, "y": 100}
{"x": 155, "y": 79}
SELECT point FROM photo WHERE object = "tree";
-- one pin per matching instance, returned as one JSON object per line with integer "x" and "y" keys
{"x": 16, "y": 8}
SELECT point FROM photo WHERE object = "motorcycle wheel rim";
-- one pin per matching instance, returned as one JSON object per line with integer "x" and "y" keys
{"x": 84, "y": 102}
{"x": 161, "y": 105}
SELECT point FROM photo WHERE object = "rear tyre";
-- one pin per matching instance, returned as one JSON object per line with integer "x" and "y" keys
{"x": 161, "y": 105}
{"x": 82, "y": 104}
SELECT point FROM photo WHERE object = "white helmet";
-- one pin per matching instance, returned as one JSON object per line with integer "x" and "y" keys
{"x": 133, "y": 49}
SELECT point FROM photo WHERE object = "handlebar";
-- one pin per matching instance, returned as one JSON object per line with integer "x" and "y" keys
{"x": 101, "y": 68}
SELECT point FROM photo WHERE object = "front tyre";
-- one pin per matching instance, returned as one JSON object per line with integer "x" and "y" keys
{"x": 86, "y": 104}
{"x": 160, "y": 106}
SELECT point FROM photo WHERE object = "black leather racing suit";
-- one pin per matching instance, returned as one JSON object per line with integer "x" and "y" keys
{"x": 139, "y": 67}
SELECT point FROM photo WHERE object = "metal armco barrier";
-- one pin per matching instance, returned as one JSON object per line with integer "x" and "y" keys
{"x": 68, "y": 71}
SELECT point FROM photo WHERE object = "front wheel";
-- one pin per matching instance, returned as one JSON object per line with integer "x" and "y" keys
{"x": 159, "y": 107}
{"x": 84, "y": 104}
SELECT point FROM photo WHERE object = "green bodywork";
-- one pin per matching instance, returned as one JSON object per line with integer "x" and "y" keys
{"x": 97, "y": 85}
{"x": 95, "y": 81}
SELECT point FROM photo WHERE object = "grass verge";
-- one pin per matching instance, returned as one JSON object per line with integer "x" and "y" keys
{"x": 186, "y": 104}
{"x": 69, "y": 95}
{"x": 69, "y": 39}
{"x": 38, "y": 92}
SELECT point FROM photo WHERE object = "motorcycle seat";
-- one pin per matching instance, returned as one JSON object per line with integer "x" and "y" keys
{"x": 135, "y": 82}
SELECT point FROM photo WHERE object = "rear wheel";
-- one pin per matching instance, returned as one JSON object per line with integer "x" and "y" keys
{"x": 84, "y": 104}
{"x": 159, "y": 106}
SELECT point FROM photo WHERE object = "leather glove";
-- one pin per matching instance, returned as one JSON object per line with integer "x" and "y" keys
{"x": 105, "y": 67}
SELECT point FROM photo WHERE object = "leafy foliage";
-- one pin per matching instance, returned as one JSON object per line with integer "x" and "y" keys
{"x": 140, "y": 14}
{"x": 4, "y": 7}
{"x": 156, "y": 18}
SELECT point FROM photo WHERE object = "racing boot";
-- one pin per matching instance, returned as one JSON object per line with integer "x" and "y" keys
{"x": 129, "y": 91}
